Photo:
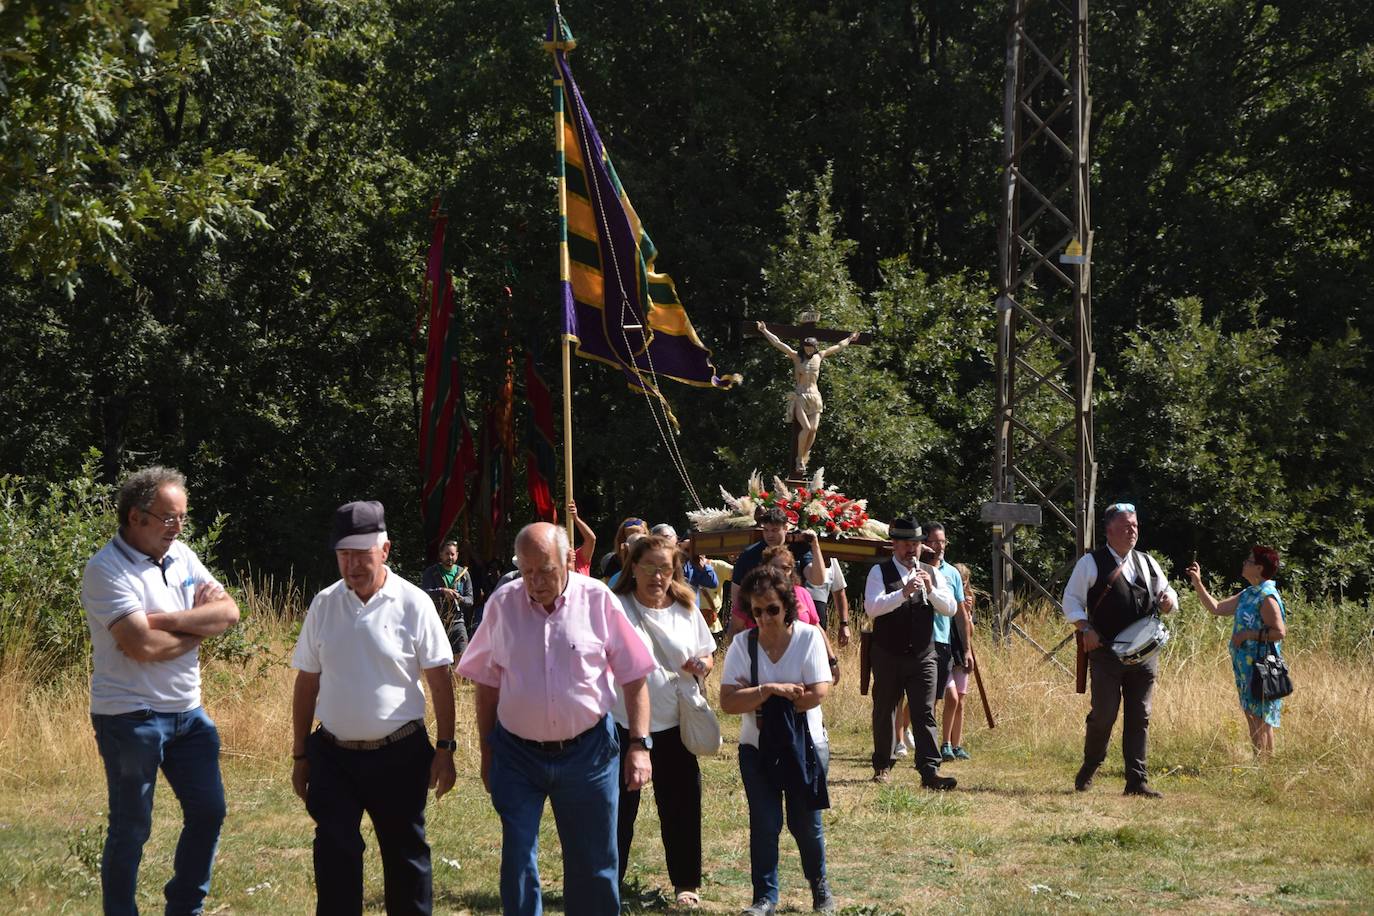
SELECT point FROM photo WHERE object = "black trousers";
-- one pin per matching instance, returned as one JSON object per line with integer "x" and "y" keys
{"x": 391, "y": 784}
{"x": 944, "y": 661}
{"x": 1114, "y": 685}
{"x": 913, "y": 676}
{"x": 677, "y": 792}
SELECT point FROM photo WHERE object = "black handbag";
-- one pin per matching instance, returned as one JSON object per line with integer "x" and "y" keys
{"x": 1270, "y": 679}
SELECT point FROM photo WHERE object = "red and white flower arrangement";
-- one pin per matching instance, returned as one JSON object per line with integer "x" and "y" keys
{"x": 814, "y": 507}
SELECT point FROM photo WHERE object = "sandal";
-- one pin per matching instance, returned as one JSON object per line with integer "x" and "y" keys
{"x": 688, "y": 900}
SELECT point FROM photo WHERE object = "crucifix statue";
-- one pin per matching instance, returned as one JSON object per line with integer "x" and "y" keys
{"x": 805, "y": 404}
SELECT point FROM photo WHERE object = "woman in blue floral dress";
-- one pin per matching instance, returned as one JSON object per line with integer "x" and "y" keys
{"x": 1258, "y": 615}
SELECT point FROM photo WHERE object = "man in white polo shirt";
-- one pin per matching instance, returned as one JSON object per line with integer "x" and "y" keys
{"x": 149, "y": 602}
{"x": 367, "y": 643}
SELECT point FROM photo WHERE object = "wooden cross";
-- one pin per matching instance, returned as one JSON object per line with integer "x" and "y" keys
{"x": 794, "y": 334}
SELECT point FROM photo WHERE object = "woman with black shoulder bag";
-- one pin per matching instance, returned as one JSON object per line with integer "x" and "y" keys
{"x": 661, "y": 606}
{"x": 1256, "y": 642}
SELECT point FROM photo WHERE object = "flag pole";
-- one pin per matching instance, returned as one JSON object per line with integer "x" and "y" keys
{"x": 567, "y": 433}
{"x": 558, "y": 41}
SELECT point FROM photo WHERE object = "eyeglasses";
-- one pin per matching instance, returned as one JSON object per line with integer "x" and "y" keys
{"x": 1115, "y": 508}
{"x": 169, "y": 520}
{"x": 767, "y": 609}
{"x": 648, "y": 570}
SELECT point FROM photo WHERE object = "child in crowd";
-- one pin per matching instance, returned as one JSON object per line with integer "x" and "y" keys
{"x": 952, "y": 724}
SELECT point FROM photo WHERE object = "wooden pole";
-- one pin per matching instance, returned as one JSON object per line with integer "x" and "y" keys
{"x": 567, "y": 433}
{"x": 982, "y": 691}
{"x": 564, "y": 43}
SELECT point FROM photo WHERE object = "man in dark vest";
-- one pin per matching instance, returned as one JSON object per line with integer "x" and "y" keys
{"x": 902, "y": 597}
{"x": 1111, "y": 588}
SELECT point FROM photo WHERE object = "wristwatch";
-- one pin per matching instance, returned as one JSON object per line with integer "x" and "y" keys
{"x": 646, "y": 742}
{"x": 445, "y": 744}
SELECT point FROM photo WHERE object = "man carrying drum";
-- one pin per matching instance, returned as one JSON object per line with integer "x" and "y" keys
{"x": 1111, "y": 589}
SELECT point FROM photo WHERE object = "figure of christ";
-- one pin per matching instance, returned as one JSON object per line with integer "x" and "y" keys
{"x": 805, "y": 404}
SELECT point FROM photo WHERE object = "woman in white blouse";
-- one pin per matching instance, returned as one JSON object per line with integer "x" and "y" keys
{"x": 662, "y": 608}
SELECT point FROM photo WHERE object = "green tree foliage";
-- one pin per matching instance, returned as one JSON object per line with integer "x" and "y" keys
{"x": 92, "y": 185}
{"x": 213, "y": 217}
{"x": 1225, "y": 436}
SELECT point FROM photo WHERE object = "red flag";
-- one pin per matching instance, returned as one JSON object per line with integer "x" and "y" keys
{"x": 446, "y": 453}
{"x": 539, "y": 449}
{"x": 505, "y": 431}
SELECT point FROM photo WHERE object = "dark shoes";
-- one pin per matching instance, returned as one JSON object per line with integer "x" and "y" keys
{"x": 882, "y": 776}
{"x": 1143, "y": 790}
{"x": 939, "y": 783}
{"x": 1084, "y": 779}
{"x": 761, "y": 908}
{"x": 822, "y": 901}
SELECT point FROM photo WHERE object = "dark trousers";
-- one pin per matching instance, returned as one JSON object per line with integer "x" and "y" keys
{"x": 913, "y": 676}
{"x": 1116, "y": 685}
{"x": 677, "y": 792}
{"x": 944, "y": 661}
{"x": 391, "y": 784}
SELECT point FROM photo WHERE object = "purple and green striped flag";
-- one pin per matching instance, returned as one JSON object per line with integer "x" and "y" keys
{"x": 616, "y": 308}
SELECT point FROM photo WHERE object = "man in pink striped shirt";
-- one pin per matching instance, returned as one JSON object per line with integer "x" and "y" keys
{"x": 543, "y": 662}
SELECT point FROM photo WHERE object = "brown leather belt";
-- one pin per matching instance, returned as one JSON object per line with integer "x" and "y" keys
{"x": 405, "y": 731}
{"x": 553, "y": 747}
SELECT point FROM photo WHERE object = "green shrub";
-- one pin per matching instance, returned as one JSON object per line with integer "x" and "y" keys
{"x": 49, "y": 531}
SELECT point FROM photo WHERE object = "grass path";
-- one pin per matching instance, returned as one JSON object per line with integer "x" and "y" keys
{"x": 1014, "y": 838}
{"x": 1228, "y": 836}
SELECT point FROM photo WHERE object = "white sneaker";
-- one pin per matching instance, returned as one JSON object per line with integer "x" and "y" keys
{"x": 909, "y": 740}
{"x": 899, "y": 750}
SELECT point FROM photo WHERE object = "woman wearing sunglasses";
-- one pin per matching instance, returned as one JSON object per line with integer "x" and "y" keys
{"x": 781, "y": 559}
{"x": 775, "y": 679}
{"x": 661, "y": 607}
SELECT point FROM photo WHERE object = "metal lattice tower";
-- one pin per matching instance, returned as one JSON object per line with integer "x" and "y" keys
{"x": 1044, "y": 417}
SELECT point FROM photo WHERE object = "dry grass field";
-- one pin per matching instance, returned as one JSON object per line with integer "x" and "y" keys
{"x": 1296, "y": 833}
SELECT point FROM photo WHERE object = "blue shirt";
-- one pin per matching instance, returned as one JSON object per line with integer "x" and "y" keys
{"x": 956, "y": 585}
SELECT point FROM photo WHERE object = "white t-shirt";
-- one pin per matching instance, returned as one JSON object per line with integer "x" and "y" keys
{"x": 118, "y": 581}
{"x": 681, "y": 633}
{"x": 371, "y": 657}
{"x": 834, "y": 582}
{"x": 804, "y": 661}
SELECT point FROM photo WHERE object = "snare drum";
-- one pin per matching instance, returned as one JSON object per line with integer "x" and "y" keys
{"x": 1139, "y": 642}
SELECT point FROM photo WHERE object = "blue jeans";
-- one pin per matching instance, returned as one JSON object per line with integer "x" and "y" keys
{"x": 186, "y": 746}
{"x": 765, "y": 825}
{"x": 582, "y": 784}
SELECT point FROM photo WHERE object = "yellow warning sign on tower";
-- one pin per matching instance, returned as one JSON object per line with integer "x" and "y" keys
{"x": 1073, "y": 253}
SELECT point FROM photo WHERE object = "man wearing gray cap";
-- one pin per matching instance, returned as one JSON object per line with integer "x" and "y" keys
{"x": 903, "y": 596}
{"x": 367, "y": 643}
